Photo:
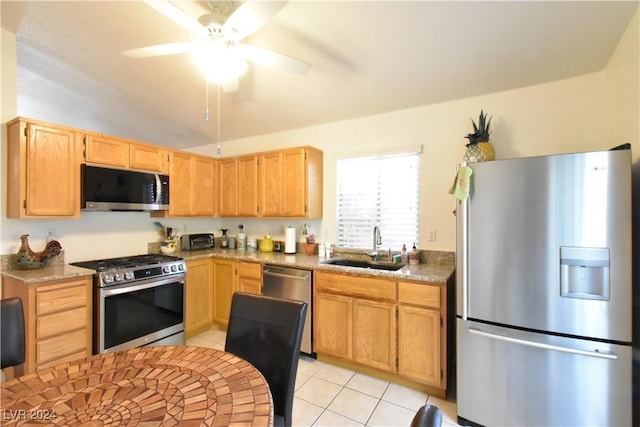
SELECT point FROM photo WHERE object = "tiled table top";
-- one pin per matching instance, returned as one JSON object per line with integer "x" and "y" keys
{"x": 152, "y": 386}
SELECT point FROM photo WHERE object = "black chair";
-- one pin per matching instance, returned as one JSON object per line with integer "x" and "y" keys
{"x": 12, "y": 330}
{"x": 427, "y": 416}
{"x": 267, "y": 332}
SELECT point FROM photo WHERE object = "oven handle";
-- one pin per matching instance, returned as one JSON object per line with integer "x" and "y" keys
{"x": 139, "y": 286}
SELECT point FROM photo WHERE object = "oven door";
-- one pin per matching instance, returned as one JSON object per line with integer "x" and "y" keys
{"x": 138, "y": 314}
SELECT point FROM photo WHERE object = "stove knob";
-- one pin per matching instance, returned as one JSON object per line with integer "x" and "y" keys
{"x": 174, "y": 268}
{"x": 180, "y": 267}
{"x": 107, "y": 278}
{"x": 128, "y": 275}
{"x": 165, "y": 269}
{"x": 118, "y": 277}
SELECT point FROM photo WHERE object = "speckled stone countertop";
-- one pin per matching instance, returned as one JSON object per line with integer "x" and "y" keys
{"x": 438, "y": 267}
{"x": 49, "y": 273}
{"x": 439, "y": 271}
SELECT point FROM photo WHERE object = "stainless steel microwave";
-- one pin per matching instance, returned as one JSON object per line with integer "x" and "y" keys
{"x": 106, "y": 189}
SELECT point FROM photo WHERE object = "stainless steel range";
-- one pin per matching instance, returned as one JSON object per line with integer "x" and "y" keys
{"x": 138, "y": 301}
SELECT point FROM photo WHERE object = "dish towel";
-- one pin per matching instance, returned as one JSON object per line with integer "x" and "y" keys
{"x": 460, "y": 187}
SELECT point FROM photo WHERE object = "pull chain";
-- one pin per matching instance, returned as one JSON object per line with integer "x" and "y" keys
{"x": 218, "y": 150}
{"x": 206, "y": 110}
{"x": 207, "y": 115}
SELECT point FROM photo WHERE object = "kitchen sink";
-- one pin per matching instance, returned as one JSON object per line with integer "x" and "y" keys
{"x": 362, "y": 264}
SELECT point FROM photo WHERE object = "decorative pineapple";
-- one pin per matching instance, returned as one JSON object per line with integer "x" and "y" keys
{"x": 479, "y": 148}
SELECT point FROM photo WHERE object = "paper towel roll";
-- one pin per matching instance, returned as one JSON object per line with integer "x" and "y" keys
{"x": 290, "y": 240}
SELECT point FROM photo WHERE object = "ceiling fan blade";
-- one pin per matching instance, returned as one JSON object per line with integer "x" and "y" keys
{"x": 230, "y": 84}
{"x": 273, "y": 59}
{"x": 159, "y": 50}
{"x": 177, "y": 15}
{"x": 250, "y": 17}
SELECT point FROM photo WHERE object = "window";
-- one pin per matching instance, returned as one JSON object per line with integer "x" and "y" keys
{"x": 378, "y": 190}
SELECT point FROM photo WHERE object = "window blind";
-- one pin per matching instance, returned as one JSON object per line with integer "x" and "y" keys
{"x": 378, "y": 190}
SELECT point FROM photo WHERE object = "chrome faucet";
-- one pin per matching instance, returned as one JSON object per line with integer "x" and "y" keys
{"x": 377, "y": 240}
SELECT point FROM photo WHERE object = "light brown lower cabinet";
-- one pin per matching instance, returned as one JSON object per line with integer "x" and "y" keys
{"x": 374, "y": 334}
{"x": 351, "y": 326}
{"x": 58, "y": 319}
{"x": 419, "y": 344}
{"x": 250, "y": 277}
{"x": 395, "y": 327}
{"x": 332, "y": 324}
{"x": 224, "y": 284}
{"x": 198, "y": 296}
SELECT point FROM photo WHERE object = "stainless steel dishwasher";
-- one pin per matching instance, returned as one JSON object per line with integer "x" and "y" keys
{"x": 296, "y": 284}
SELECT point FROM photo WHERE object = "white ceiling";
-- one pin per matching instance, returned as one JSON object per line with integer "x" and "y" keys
{"x": 367, "y": 57}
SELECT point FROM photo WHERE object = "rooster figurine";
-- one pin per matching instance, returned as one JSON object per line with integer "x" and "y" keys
{"x": 28, "y": 260}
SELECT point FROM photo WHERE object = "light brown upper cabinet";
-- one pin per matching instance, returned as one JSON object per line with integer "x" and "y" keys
{"x": 106, "y": 150}
{"x": 148, "y": 157}
{"x": 238, "y": 189}
{"x": 121, "y": 153}
{"x": 291, "y": 183}
{"x": 43, "y": 170}
{"x": 192, "y": 186}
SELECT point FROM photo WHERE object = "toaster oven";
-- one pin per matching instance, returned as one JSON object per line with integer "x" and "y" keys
{"x": 192, "y": 242}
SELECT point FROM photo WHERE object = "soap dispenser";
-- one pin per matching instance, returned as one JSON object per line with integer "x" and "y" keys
{"x": 414, "y": 255}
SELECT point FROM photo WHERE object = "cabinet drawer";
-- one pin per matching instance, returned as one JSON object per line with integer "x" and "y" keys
{"x": 58, "y": 323}
{"x": 51, "y": 300}
{"x": 363, "y": 287}
{"x": 58, "y": 347}
{"x": 419, "y": 294}
{"x": 251, "y": 270}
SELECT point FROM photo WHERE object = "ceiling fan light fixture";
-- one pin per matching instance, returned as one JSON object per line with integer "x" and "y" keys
{"x": 218, "y": 62}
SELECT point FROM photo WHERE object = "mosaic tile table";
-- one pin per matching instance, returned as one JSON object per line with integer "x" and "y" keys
{"x": 151, "y": 386}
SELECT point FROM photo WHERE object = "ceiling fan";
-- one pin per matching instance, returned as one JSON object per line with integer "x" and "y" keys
{"x": 218, "y": 50}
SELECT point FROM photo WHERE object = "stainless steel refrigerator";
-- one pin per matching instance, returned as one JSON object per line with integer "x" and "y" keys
{"x": 543, "y": 303}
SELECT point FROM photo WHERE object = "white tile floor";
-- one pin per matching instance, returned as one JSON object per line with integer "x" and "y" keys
{"x": 327, "y": 395}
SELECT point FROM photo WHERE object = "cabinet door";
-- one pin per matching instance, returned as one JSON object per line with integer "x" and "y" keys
{"x": 332, "y": 325}
{"x": 147, "y": 157}
{"x": 198, "y": 296}
{"x": 374, "y": 334}
{"x": 180, "y": 184}
{"x": 224, "y": 274}
{"x": 250, "y": 277}
{"x": 271, "y": 182}
{"x": 294, "y": 198}
{"x": 107, "y": 150}
{"x": 248, "y": 186}
{"x": 53, "y": 172}
{"x": 419, "y": 344}
{"x": 204, "y": 178}
{"x": 228, "y": 188}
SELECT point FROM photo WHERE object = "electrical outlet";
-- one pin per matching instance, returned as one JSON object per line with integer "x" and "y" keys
{"x": 51, "y": 234}
{"x": 184, "y": 228}
{"x": 432, "y": 235}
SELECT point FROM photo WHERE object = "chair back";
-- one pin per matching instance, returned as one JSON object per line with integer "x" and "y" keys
{"x": 12, "y": 332}
{"x": 267, "y": 332}
{"x": 427, "y": 416}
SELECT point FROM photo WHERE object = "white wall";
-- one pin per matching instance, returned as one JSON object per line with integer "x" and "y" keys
{"x": 577, "y": 114}
{"x": 543, "y": 119}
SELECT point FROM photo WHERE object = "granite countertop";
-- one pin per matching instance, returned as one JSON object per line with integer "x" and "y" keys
{"x": 435, "y": 272}
{"x": 48, "y": 273}
{"x": 429, "y": 272}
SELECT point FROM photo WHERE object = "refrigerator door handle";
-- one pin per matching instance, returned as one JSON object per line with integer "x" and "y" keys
{"x": 462, "y": 254}
{"x": 595, "y": 353}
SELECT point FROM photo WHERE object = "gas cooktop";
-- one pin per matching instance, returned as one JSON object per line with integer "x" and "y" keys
{"x": 127, "y": 262}
{"x": 115, "y": 271}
